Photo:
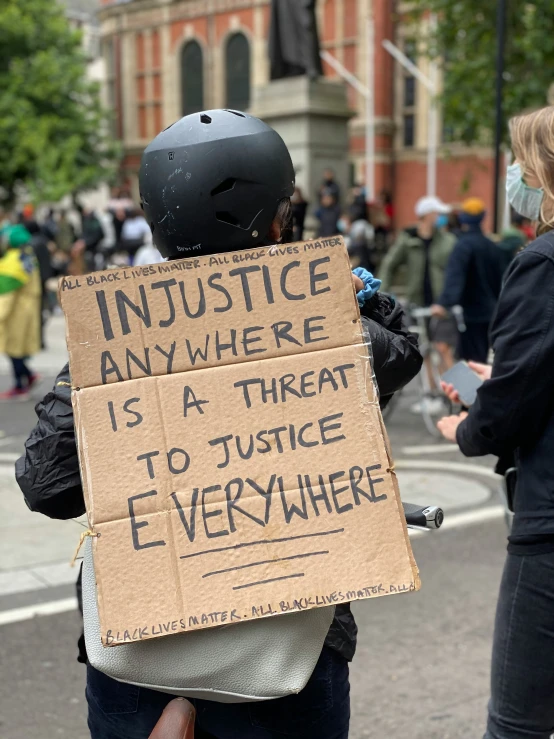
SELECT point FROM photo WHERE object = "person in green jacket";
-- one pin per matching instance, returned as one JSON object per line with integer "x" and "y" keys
{"x": 424, "y": 250}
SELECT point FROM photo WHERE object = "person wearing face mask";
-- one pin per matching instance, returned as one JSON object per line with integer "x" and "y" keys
{"x": 513, "y": 418}
{"x": 473, "y": 280}
{"x": 424, "y": 250}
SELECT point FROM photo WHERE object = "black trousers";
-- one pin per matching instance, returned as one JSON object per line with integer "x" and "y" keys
{"x": 474, "y": 342}
{"x": 522, "y": 676}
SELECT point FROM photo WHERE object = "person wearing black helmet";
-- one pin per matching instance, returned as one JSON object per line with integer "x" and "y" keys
{"x": 214, "y": 182}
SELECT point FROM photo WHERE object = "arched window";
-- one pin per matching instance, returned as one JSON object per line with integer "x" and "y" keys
{"x": 237, "y": 72}
{"x": 192, "y": 78}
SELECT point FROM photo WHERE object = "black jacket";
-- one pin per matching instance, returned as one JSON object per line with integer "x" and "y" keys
{"x": 48, "y": 472}
{"x": 514, "y": 411}
{"x": 473, "y": 276}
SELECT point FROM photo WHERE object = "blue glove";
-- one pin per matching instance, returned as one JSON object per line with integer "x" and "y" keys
{"x": 371, "y": 285}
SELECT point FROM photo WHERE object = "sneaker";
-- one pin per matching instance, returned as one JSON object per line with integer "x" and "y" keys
{"x": 15, "y": 393}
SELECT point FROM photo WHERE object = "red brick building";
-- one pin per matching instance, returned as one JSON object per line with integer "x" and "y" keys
{"x": 166, "y": 58}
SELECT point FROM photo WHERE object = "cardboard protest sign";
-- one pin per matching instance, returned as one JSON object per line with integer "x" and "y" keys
{"x": 232, "y": 450}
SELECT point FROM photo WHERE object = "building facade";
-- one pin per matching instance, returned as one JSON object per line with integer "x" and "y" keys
{"x": 168, "y": 58}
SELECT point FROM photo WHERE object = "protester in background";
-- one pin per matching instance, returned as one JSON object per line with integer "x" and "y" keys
{"x": 329, "y": 186}
{"x": 425, "y": 250}
{"x": 65, "y": 234}
{"x": 20, "y": 303}
{"x": 358, "y": 208}
{"x": 453, "y": 225}
{"x": 359, "y": 237}
{"x": 27, "y": 214}
{"x": 49, "y": 227}
{"x": 134, "y": 233}
{"x": 473, "y": 280}
{"x": 328, "y": 215}
{"x": 299, "y": 208}
{"x": 513, "y": 419}
{"x": 512, "y": 241}
{"x": 382, "y": 215}
{"x": 148, "y": 254}
{"x": 119, "y": 206}
{"x": 525, "y": 225}
{"x": 388, "y": 206}
{"x": 41, "y": 244}
{"x": 92, "y": 234}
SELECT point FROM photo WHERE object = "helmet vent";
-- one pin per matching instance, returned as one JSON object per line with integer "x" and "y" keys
{"x": 224, "y": 186}
{"x": 205, "y": 118}
{"x": 235, "y": 112}
{"x": 226, "y": 217}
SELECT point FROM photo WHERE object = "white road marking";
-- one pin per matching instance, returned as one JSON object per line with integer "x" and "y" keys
{"x": 5, "y": 440}
{"x": 9, "y": 456}
{"x": 430, "y": 449}
{"x": 40, "y": 609}
{"x": 434, "y": 466}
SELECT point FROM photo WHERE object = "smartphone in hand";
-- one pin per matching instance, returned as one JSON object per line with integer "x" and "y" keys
{"x": 465, "y": 381}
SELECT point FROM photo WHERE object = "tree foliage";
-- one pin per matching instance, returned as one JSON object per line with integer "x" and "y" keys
{"x": 54, "y": 134}
{"x": 465, "y": 41}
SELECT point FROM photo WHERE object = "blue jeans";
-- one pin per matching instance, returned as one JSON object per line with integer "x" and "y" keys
{"x": 320, "y": 711}
{"x": 522, "y": 676}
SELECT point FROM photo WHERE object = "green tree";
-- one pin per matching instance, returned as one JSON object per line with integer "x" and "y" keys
{"x": 54, "y": 134}
{"x": 465, "y": 42}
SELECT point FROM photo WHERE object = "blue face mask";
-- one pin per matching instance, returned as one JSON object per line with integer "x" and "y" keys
{"x": 442, "y": 221}
{"x": 524, "y": 200}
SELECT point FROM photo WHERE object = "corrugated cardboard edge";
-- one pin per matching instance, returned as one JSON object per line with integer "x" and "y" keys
{"x": 369, "y": 378}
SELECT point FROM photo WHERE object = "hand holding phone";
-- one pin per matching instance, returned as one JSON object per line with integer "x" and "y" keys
{"x": 461, "y": 382}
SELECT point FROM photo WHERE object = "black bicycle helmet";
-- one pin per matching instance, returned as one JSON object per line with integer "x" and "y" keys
{"x": 212, "y": 182}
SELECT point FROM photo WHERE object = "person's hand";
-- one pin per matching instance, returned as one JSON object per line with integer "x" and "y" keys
{"x": 438, "y": 311}
{"x": 358, "y": 283}
{"x": 483, "y": 370}
{"x": 450, "y": 392}
{"x": 176, "y": 722}
{"x": 449, "y": 425}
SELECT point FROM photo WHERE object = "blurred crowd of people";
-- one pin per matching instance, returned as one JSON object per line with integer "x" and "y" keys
{"x": 37, "y": 249}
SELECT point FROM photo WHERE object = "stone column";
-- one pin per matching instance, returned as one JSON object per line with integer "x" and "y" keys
{"x": 312, "y": 117}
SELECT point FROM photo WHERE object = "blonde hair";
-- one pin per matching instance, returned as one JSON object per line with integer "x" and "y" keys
{"x": 532, "y": 137}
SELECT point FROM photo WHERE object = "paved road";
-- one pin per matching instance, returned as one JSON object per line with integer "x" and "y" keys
{"x": 422, "y": 665}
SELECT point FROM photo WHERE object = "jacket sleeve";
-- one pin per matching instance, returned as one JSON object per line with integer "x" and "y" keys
{"x": 512, "y": 407}
{"x": 395, "y": 352}
{"x": 48, "y": 472}
{"x": 456, "y": 273}
{"x": 395, "y": 257}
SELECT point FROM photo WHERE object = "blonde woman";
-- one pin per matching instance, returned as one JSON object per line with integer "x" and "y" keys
{"x": 513, "y": 418}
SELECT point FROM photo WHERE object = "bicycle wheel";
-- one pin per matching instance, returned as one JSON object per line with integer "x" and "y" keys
{"x": 433, "y": 403}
